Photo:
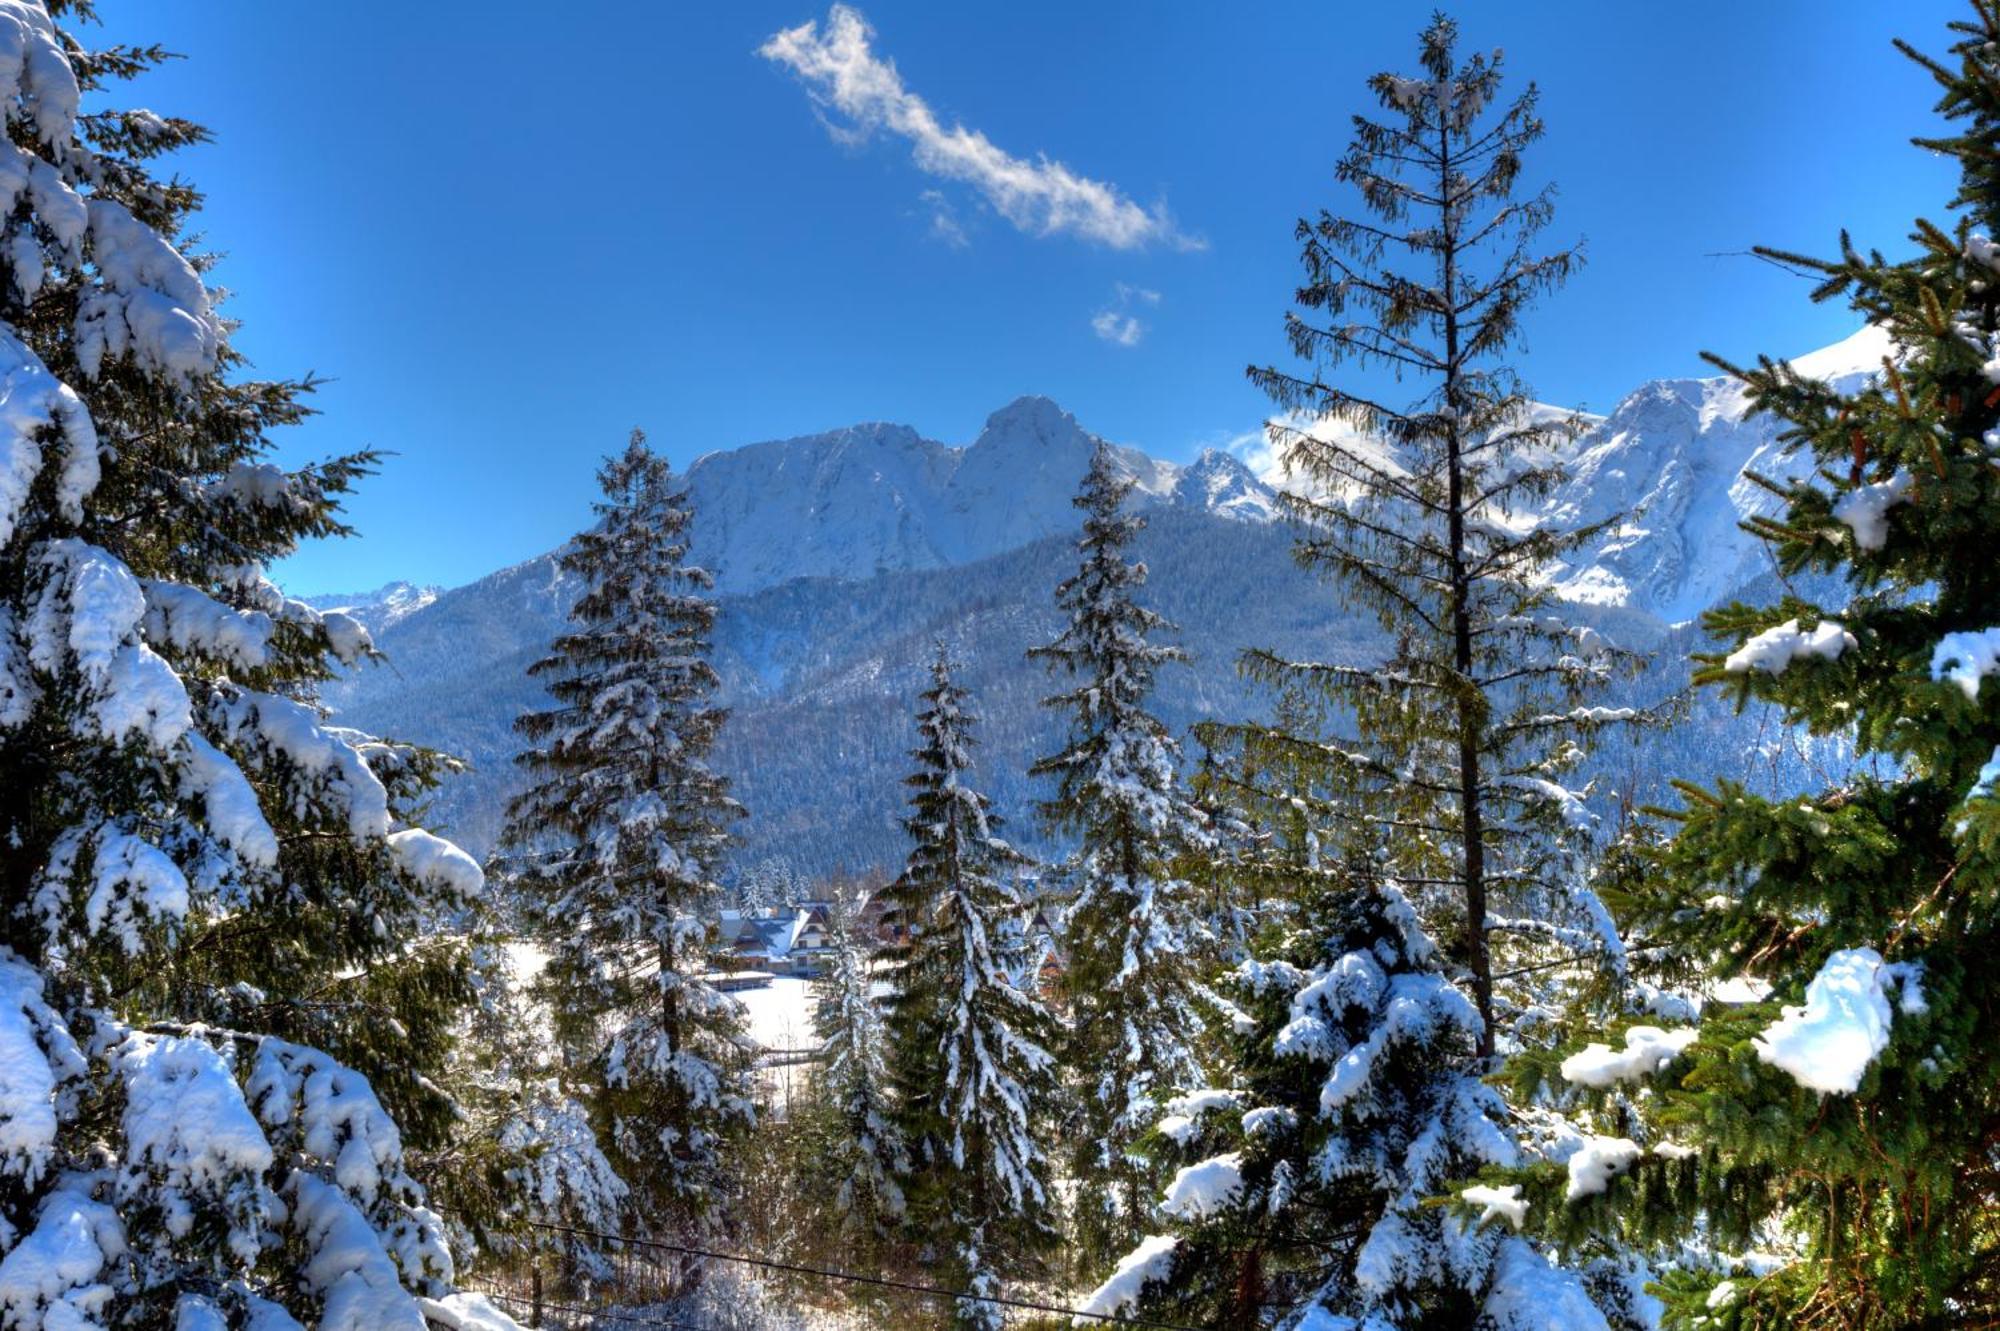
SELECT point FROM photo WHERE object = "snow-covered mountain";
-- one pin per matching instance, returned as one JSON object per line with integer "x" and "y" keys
{"x": 1219, "y": 483}
{"x": 881, "y": 498}
{"x": 843, "y": 557}
{"x": 386, "y": 605}
{"x": 1672, "y": 457}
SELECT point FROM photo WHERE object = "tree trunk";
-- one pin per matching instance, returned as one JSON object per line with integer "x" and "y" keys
{"x": 1473, "y": 945}
{"x": 1246, "y": 1304}
{"x": 670, "y": 998}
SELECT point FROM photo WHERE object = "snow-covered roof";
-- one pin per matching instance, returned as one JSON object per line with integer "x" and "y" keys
{"x": 771, "y": 937}
{"x": 810, "y": 915}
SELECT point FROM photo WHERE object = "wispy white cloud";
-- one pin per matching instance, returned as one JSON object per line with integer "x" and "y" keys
{"x": 1116, "y": 323}
{"x": 1266, "y": 458}
{"x": 1253, "y": 448}
{"x": 945, "y": 226}
{"x": 1122, "y": 329}
{"x": 843, "y": 74}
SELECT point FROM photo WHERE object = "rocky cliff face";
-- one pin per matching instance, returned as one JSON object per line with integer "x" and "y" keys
{"x": 1673, "y": 457}
{"x": 879, "y": 498}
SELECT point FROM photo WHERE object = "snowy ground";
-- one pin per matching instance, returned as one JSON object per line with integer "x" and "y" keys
{"x": 779, "y": 1015}
{"x": 526, "y": 961}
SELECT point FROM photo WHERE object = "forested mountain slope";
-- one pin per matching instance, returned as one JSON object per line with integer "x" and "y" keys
{"x": 844, "y": 557}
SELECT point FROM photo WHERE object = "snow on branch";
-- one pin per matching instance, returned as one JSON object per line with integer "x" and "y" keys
{"x": 1203, "y": 1189}
{"x": 1828, "y": 1044}
{"x": 562, "y": 1170}
{"x": 189, "y": 620}
{"x": 149, "y": 302}
{"x": 142, "y": 298}
{"x": 1505, "y": 1202}
{"x": 436, "y": 861}
{"x": 1966, "y": 658}
{"x": 1597, "y": 1161}
{"x": 1773, "y": 650}
{"x": 1647, "y": 1050}
{"x": 1528, "y": 1291}
{"x": 333, "y": 1112}
{"x": 348, "y": 1266}
{"x": 229, "y": 802}
{"x": 85, "y": 617}
{"x": 1151, "y": 1261}
{"x": 257, "y": 485}
{"x": 1419, "y": 1006}
{"x": 1184, "y": 1112}
{"x": 37, "y": 1055}
{"x": 1865, "y": 509}
{"x": 1543, "y": 793}
{"x": 32, "y": 401}
{"x": 186, "y": 1124}
{"x": 466, "y": 1312}
{"x": 132, "y": 884}
{"x": 51, "y": 1278}
{"x": 35, "y": 70}
{"x": 329, "y": 770}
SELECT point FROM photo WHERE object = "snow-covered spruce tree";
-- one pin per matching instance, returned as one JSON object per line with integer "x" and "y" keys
{"x": 1133, "y": 934}
{"x": 215, "y": 1009}
{"x": 527, "y": 1152}
{"x": 1850, "y": 1132}
{"x": 969, "y": 1058}
{"x": 866, "y": 1158}
{"x": 1463, "y": 730}
{"x": 1218, "y": 869}
{"x": 1431, "y": 797}
{"x": 614, "y": 851}
{"x": 1357, "y": 1097}
{"x": 769, "y": 885}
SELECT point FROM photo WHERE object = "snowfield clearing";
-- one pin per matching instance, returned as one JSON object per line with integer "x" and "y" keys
{"x": 779, "y": 1015}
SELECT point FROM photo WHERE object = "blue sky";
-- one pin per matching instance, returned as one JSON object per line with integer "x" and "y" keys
{"x": 509, "y": 232}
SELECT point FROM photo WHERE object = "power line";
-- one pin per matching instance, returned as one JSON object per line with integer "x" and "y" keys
{"x": 595, "y": 1314}
{"x": 855, "y": 1277}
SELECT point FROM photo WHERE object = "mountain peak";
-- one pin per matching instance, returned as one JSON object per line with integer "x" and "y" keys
{"x": 1858, "y": 353}
{"x": 1220, "y": 483}
{"x": 380, "y": 608}
{"x": 891, "y": 432}
{"x": 1217, "y": 460}
{"x": 1031, "y": 418}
